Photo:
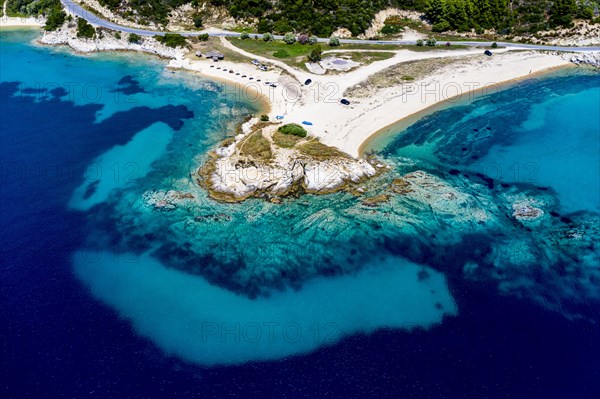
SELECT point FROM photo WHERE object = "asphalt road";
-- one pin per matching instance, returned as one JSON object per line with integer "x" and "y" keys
{"x": 97, "y": 21}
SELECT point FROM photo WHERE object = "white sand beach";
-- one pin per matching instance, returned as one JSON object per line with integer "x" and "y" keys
{"x": 347, "y": 127}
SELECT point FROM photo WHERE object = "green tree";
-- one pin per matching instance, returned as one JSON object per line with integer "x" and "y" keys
{"x": 334, "y": 41}
{"x": 562, "y": 13}
{"x": 315, "y": 54}
{"x": 55, "y": 19}
{"x": 84, "y": 29}
{"x": 133, "y": 38}
{"x": 244, "y": 35}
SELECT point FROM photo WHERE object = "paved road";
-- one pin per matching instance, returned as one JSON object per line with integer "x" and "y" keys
{"x": 96, "y": 20}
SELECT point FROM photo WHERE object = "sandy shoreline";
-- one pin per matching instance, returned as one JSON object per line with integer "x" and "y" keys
{"x": 405, "y": 122}
{"x": 349, "y": 128}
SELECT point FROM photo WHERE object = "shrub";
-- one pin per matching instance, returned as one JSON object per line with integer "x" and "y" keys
{"x": 430, "y": 42}
{"x": 281, "y": 54}
{"x": 313, "y": 39}
{"x": 203, "y": 37}
{"x": 264, "y": 118}
{"x": 245, "y": 35}
{"x": 293, "y": 129}
{"x": 315, "y": 54}
{"x": 198, "y": 22}
{"x": 391, "y": 29}
{"x": 334, "y": 41}
{"x": 441, "y": 26}
{"x": 55, "y": 19}
{"x": 133, "y": 38}
{"x": 420, "y": 43}
{"x": 302, "y": 39}
{"x": 494, "y": 45}
{"x": 118, "y": 35}
{"x": 586, "y": 13}
{"x": 289, "y": 38}
{"x": 173, "y": 40}
{"x": 84, "y": 29}
{"x": 267, "y": 37}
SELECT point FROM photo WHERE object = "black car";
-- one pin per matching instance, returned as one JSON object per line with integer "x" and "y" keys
{"x": 488, "y": 53}
{"x": 344, "y": 101}
{"x": 307, "y": 82}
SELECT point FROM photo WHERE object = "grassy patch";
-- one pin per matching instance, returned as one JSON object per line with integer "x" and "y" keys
{"x": 401, "y": 74}
{"x": 285, "y": 140}
{"x": 296, "y": 54}
{"x": 256, "y": 146}
{"x": 363, "y": 58}
{"x": 314, "y": 148}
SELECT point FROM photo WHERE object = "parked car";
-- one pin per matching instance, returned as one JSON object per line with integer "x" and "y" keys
{"x": 344, "y": 101}
{"x": 488, "y": 53}
{"x": 307, "y": 82}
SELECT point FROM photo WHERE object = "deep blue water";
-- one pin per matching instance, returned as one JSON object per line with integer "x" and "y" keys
{"x": 59, "y": 341}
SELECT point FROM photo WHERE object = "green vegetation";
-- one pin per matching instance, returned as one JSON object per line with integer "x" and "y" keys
{"x": 118, "y": 35}
{"x": 56, "y": 17}
{"x": 24, "y": 8}
{"x": 171, "y": 40}
{"x": 285, "y": 140}
{"x": 84, "y": 29}
{"x": 334, "y": 41}
{"x": 322, "y": 18}
{"x": 315, "y": 54}
{"x": 245, "y": 35}
{"x": 267, "y": 37}
{"x": 133, "y": 38}
{"x": 256, "y": 146}
{"x": 506, "y": 16}
{"x": 203, "y": 37}
{"x": 264, "y": 118}
{"x": 289, "y": 38}
{"x": 293, "y": 129}
{"x": 314, "y": 148}
{"x": 393, "y": 25}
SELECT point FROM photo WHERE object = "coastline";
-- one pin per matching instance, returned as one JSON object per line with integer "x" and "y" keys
{"x": 375, "y": 139}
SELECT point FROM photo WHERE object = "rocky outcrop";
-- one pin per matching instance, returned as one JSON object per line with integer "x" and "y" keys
{"x": 106, "y": 40}
{"x": 592, "y": 59}
{"x": 231, "y": 175}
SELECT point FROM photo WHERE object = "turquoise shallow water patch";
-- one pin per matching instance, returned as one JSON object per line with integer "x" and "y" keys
{"x": 554, "y": 148}
{"x": 121, "y": 165}
{"x": 186, "y": 316}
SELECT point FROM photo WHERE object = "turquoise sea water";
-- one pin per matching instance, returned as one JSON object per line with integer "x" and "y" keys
{"x": 318, "y": 294}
